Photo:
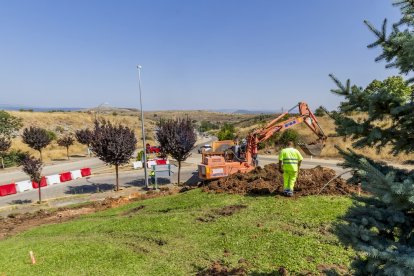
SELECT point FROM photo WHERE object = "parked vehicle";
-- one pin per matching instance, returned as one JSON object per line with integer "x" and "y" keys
{"x": 152, "y": 149}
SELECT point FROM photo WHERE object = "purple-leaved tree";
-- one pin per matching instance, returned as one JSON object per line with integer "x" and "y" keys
{"x": 113, "y": 144}
{"x": 176, "y": 138}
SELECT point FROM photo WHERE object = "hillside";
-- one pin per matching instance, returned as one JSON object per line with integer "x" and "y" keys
{"x": 328, "y": 126}
{"x": 68, "y": 122}
{"x": 186, "y": 234}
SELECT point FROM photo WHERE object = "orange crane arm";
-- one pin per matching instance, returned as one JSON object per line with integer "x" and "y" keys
{"x": 305, "y": 115}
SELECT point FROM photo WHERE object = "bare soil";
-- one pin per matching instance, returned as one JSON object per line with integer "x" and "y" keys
{"x": 219, "y": 269}
{"x": 223, "y": 212}
{"x": 268, "y": 180}
{"x": 16, "y": 223}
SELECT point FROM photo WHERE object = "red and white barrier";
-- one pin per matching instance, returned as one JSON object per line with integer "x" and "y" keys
{"x": 53, "y": 179}
{"x": 86, "y": 172}
{"x": 22, "y": 186}
{"x": 66, "y": 176}
{"x": 43, "y": 183}
{"x": 76, "y": 174}
{"x": 8, "y": 189}
{"x": 151, "y": 163}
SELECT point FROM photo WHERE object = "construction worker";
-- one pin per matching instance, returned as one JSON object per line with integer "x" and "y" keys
{"x": 289, "y": 164}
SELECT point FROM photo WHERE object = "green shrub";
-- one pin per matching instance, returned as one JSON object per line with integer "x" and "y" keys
{"x": 59, "y": 129}
{"x": 287, "y": 136}
{"x": 320, "y": 112}
{"x": 140, "y": 155}
{"x": 226, "y": 132}
{"x": 14, "y": 157}
{"x": 207, "y": 125}
{"x": 52, "y": 135}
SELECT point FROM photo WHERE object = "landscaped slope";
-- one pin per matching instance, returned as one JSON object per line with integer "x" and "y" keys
{"x": 186, "y": 233}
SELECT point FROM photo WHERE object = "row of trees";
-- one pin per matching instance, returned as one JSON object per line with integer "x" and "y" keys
{"x": 112, "y": 144}
{"x": 115, "y": 144}
{"x": 34, "y": 137}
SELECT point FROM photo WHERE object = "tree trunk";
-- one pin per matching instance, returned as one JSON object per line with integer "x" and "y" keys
{"x": 67, "y": 152}
{"x": 2, "y": 162}
{"x": 40, "y": 151}
{"x": 179, "y": 171}
{"x": 117, "y": 178}
{"x": 40, "y": 193}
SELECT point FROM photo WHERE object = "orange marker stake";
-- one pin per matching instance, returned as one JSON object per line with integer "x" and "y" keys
{"x": 32, "y": 257}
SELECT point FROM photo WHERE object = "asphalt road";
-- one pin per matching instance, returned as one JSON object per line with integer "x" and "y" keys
{"x": 99, "y": 183}
{"x": 16, "y": 174}
{"x": 93, "y": 184}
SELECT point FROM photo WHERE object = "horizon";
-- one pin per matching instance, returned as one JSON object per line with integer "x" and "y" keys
{"x": 7, "y": 107}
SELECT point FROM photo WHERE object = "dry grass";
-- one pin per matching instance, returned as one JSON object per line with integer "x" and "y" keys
{"x": 69, "y": 122}
{"x": 328, "y": 126}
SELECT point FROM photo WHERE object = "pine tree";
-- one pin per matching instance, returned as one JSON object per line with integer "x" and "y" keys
{"x": 380, "y": 226}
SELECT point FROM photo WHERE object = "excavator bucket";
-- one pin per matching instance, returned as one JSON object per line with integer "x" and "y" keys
{"x": 314, "y": 149}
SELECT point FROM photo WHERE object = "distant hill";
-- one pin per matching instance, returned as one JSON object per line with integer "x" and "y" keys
{"x": 104, "y": 109}
{"x": 38, "y": 109}
{"x": 244, "y": 111}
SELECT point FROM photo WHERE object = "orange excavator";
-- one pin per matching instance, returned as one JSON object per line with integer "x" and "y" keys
{"x": 228, "y": 157}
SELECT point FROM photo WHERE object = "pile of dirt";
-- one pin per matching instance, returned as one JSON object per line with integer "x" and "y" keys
{"x": 222, "y": 212}
{"x": 269, "y": 180}
{"x": 220, "y": 269}
{"x": 16, "y": 223}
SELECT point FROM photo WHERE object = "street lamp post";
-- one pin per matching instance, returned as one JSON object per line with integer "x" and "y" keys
{"x": 142, "y": 129}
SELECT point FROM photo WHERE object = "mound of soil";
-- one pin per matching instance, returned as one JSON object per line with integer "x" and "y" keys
{"x": 269, "y": 180}
{"x": 220, "y": 269}
{"x": 223, "y": 212}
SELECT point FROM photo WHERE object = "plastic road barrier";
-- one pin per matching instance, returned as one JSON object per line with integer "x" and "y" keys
{"x": 8, "y": 189}
{"x": 22, "y": 186}
{"x": 53, "y": 179}
{"x": 66, "y": 176}
{"x": 137, "y": 165}
{"x": 76, "y": 174}
{"x": 43, "y": 183}
{"x": 86, "y": 172}
{"x": 161, "y": 161}
{"x": 151, "y": 163}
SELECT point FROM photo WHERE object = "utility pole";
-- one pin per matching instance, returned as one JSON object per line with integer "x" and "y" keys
{"x": 142, "y": 129}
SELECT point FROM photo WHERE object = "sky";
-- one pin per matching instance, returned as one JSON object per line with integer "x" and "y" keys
{"x": 195, "y": 54}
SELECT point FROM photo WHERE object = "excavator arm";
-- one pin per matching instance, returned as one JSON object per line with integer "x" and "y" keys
{"x": 305, "y": 116}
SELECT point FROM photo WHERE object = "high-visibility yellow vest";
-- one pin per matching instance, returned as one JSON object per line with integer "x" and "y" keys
{"x": 290, "y": 158}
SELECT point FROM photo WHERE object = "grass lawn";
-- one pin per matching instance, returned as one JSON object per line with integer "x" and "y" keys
{"x": 167, "y": 237}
